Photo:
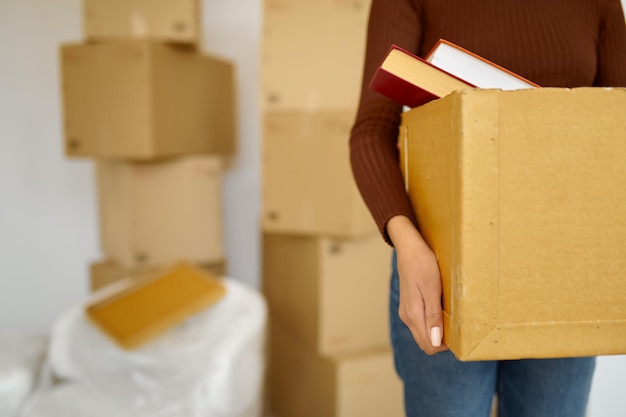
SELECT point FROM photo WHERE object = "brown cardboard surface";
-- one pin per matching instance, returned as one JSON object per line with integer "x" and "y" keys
{"x": 107, "y": 272}
{"x": 163, "y": 20}
{"x": 522, "y": 196}
{"x": 143, "y": 100}
{"x": 312, "y": 54}
{"x": 308, "y": 186}
{"x": 142, "y": 307}
{"x": 153, "y": 213}
{"x": 330, "y": 294}
{"x": 303, "y": 384}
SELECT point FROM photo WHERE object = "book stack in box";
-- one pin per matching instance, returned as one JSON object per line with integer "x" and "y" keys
{"x": 325, "y": 267}
{"x": 157, "y": 117}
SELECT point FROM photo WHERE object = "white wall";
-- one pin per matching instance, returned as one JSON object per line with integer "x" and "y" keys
{"x": 47, "y": 213}
{"x": 48, "y": 224}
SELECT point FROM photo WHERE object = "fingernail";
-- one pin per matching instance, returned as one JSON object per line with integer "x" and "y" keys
{"x": 435, "y": 336}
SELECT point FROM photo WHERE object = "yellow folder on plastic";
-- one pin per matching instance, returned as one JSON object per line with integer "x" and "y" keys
{"x": 147, "y": 305}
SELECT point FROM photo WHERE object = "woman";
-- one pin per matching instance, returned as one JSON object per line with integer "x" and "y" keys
{"x": 555, "y": 43}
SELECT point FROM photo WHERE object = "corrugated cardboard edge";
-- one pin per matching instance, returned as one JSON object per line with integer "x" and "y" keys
{"x": 524, "y": 341}
{"x": 447, "y": 116}
{"x": 478, "y": 222}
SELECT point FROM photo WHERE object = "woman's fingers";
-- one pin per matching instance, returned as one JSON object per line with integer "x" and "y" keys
{"x": 424, "y": 317}
{"x": 420, "y": 301}
{"x": 420, "y": 285}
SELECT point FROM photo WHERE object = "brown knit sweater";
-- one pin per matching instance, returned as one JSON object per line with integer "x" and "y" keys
{"x": 555, "y": 43}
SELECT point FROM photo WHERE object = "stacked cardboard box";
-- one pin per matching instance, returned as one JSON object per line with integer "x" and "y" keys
{"x": 157, "y": 117}
{"x": 325, "y": 268}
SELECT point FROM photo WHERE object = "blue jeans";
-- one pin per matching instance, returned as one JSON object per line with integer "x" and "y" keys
{"x": 442, "y": 386}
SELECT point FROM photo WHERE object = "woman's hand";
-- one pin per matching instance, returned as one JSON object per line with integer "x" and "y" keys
{"x": 420, "y": 285}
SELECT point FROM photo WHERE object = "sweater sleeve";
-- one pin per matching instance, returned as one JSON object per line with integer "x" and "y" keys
{"x": 611, "y": 71}
{"x": 374, "y": 154}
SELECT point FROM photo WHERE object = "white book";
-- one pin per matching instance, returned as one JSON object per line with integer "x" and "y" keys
{"x": 475, "y": 69}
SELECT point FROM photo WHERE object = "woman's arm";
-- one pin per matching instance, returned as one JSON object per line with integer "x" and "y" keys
{"x": 611, "y": 70}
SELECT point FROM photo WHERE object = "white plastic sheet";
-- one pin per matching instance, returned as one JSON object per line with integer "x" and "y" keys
{"x": 210, "y": 366}
{"x": 20, "y": 361}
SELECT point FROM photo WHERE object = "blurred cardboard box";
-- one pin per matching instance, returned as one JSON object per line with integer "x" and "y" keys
{"x": 308, "y": 186}
{"x": 153, "y": 213}
{"x": 303, "y": 384}
{"x": 144, "y": 306}
{"x": 163, "y": 20}
{"x": 329, "y": 294}
{"x": 312, "y": 54}
{"x": 106, "y": 272}
{"x": 143, "y": 100}
{"x": 522, "y": 195}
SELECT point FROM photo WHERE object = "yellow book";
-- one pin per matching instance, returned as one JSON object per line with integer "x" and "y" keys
{"x": 144, "y": 306}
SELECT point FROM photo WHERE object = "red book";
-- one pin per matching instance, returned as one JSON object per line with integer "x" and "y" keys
{"x": 412, "y": 81}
